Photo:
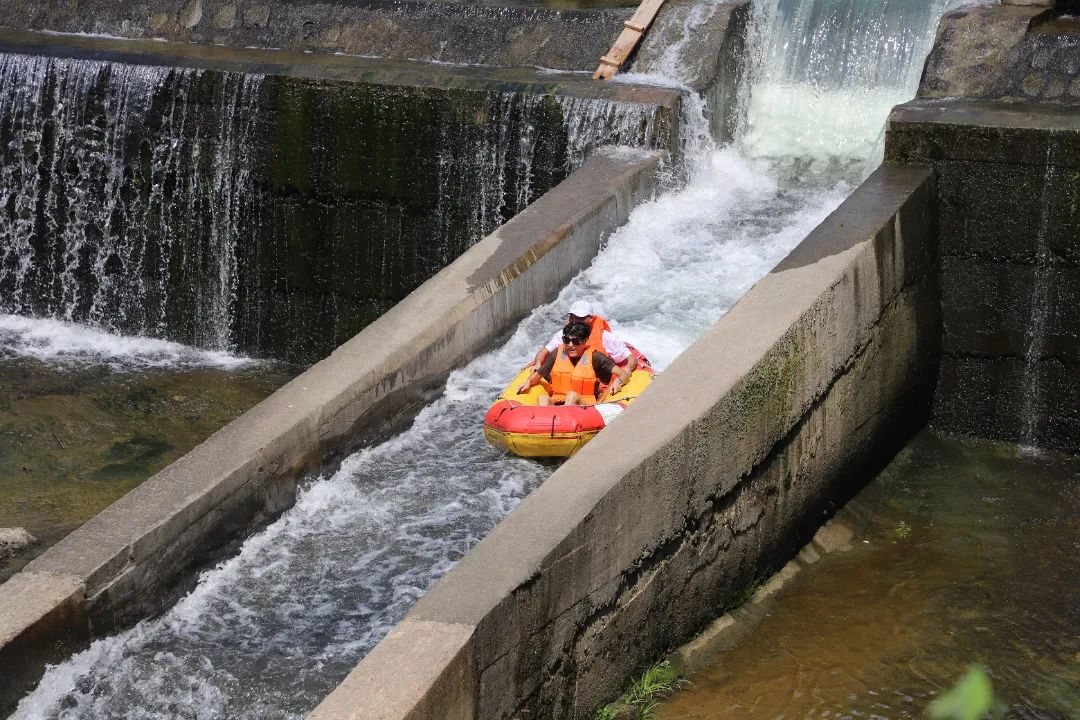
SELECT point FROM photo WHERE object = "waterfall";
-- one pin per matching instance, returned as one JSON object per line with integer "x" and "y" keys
{"x": 591, "y": 123}
{"x": 173, "y": 203}
{"x": 113, "y": 187}
{"x": 827, "y": 72}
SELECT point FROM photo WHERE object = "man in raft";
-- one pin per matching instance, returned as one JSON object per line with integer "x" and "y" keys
{"x": 574, "y": 371}
{"x": 601, "y": 337}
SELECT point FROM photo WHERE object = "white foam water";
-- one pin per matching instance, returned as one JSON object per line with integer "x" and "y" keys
{"x": 269, "y": 632}
{"x": 60, "y": 342}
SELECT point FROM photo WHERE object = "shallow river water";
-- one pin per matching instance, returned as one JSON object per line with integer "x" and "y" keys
{"x": 85, "y": 416}
{"x": 965, "y": 552}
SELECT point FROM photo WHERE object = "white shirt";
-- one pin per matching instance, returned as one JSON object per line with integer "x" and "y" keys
{"x": 614, "y": 348}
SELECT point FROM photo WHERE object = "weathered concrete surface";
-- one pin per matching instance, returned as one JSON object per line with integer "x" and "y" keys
{"x": 820, "y": 372}
{"x": 128, "y": 562}
{"x": 729, "y": 629}
{"x": 1009, "y": 183}
{"x": 460, "y": 33}
{"x": 1007, "y": 52}
{"x": 42, "y": 618}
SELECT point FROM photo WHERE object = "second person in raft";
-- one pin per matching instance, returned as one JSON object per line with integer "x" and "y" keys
{"x": 601, "y": 337}
{"x": 574, "y": 370}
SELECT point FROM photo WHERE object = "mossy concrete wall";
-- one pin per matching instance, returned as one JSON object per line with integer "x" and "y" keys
{"x": 1009, "y": 186}
{"x": 136, "y": 557}
{"x": 279, "y": 203}
{"x": 700, "y": 488}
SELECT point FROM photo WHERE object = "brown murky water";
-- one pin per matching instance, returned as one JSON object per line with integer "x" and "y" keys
{"x": 965, "y": 552}
{"x": 74, "y": 438}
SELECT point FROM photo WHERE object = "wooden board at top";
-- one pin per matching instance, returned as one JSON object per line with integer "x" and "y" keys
{"x": 628, "y": 39}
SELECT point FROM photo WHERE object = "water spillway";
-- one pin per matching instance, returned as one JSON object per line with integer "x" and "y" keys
{"x": 318, "y": 589}
{"x": 188, "y": 201}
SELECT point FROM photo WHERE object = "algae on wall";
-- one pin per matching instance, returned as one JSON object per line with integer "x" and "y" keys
{"x": 271, "y": 215}
{"x": 366, "y": 191}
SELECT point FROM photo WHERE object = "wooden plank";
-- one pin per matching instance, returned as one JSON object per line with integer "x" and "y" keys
{"x": 628, "y": 39}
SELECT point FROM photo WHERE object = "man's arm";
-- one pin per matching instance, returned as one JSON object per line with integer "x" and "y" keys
{"x": 618, "y": 350}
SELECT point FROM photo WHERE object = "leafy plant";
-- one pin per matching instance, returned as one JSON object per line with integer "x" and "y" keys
{"x": 902, "y": 530}
{"x": 647, "y": 710}
{"x": 971, "y": 698}
{"x": 606, "y": 713}
{"x": 660, "y": 679}
{"x": 642, "y": 697}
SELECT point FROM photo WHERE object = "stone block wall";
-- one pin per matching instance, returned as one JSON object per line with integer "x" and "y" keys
{"x": 1009, "y": 188}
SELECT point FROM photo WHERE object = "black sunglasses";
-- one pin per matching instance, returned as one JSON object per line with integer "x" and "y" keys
{"x": 573, "y": 341}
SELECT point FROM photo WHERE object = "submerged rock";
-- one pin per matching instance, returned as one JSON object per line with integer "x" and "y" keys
{"x": 14, "y": 540}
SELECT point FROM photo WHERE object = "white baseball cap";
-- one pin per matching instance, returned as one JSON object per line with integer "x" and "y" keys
{"x": 581, "y": 309}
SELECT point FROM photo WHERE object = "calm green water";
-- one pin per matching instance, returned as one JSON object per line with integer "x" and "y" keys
{"x": 74, "y": 438}
{"x": 987, "y": 573}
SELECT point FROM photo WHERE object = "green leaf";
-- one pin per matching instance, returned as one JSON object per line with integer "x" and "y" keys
{"x": 970, "y": 698}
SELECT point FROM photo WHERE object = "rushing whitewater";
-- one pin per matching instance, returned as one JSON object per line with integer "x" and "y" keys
{"x": 268, "y": 633}
{"x": 60, "y": 342}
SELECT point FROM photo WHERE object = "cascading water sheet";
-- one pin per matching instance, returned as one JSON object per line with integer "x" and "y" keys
{"x": 268, "y": 633}
{"x": 100, "y": 175}
{"x": 173, "y": 203}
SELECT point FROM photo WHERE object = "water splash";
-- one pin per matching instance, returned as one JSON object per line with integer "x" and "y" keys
{"x": 57, "y": 341}
{"x": 827, "y": 73}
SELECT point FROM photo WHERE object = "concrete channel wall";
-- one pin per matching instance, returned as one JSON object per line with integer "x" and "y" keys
{"x": 131, "y": 560}
{"x": 446, "y": 32}
{"x": 710, "y": 481}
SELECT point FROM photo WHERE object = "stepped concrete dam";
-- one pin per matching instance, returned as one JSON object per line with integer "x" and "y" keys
{"x": 264, "y": 266}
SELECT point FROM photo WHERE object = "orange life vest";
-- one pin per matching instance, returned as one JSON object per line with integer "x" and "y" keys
{"x": 566, "y": 376}
{"x": 596, "y": 333}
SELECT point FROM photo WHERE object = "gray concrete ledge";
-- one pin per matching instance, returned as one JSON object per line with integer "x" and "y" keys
{"x": 128, "y": 562}
{"x": 328, "y": 67}
{"x": 448, "y": 32}
{"x": 636, "y": 543}
{"x": 985, "y": 131}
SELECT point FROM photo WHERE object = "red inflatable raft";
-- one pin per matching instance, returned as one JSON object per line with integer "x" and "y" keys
{"x": 516, "y": 423}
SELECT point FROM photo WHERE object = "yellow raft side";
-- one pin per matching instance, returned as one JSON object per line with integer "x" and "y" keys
{"x": 533, "y": 445}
